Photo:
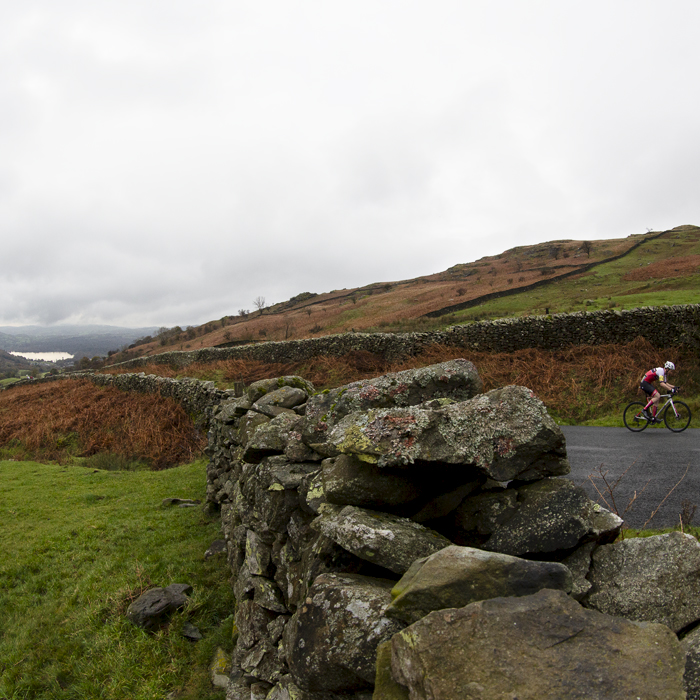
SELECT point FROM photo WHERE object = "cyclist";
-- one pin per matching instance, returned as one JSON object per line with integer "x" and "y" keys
{"x": 660, "y": 373}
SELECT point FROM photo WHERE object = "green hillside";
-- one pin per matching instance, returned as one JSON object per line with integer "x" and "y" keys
{"x": 662, "y": 271}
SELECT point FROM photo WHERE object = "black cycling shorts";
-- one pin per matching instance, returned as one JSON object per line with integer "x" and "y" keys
{"x": 647, "y": 388}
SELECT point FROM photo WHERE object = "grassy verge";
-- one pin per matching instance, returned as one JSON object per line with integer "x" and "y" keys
{"x": 77, "y": 545}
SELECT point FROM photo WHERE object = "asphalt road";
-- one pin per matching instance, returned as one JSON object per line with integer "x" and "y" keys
{"x": 655, "y": 460}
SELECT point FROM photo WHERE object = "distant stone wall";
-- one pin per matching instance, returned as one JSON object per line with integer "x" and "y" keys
{"x": 662, "y": 326}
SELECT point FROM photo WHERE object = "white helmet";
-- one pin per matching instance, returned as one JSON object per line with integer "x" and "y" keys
{"x": 669, "y": 365}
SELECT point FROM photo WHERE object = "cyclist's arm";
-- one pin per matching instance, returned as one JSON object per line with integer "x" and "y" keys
{"x": 667, "y": 386}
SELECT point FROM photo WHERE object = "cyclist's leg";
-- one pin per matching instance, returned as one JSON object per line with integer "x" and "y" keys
{"x": 650, "y": 391}
{"x": 655, "y": 398}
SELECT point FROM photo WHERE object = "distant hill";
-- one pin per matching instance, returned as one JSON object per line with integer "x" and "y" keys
{"x": 11, "y": 363}
{"x": 80, "y": 341}
{"x": 651, "y": 269}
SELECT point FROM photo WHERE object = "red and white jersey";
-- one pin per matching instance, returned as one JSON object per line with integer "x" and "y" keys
{"x": 653, "y": 374}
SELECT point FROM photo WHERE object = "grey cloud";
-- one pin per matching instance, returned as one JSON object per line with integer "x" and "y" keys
{"x": 166, "y": 163}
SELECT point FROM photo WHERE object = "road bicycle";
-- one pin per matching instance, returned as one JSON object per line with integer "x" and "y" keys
{"x": 676, "y": 415}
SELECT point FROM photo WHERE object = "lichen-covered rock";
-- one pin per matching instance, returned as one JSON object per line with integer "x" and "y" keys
{"x": 265, "y": 386}
{"x": 506, "y": 433}
{"x": 270, "y": 438}
{"x": 456, "y": 576}
{"x": 257, "y": 554}
{"x": 262, "y": 663}
{"x": 551, "y": 515}
{"x": 539, "y": 647}
{"x": 284, "y": 397}
{"x": 231, "y": 410}
{"x": 387, "y": 540}
{"x": 267, "y": 594}
{"x": 248, "y": 424}
{"x": 455, "y": 379}
{"x": 349, "y": 610}
{"x": 650, "y": 579}
{"x": 480, "y": 515}
{"x": 252, "y": 621}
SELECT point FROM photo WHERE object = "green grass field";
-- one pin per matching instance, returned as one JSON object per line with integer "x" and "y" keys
{"x": 76, "y": 546}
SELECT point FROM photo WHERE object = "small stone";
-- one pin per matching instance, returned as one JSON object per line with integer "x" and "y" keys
{"x": 216, "y": 547}
{"x": 179, "y": 502}
{"x": 220, "y": 668}
{"x": 189, "y": 631}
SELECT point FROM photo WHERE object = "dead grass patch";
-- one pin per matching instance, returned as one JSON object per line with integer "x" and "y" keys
{"x": 672, "y": 267}
{"x": 59, "y": 420}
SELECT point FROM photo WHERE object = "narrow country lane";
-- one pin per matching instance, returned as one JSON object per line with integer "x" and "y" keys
{"x": 656, "y": 456}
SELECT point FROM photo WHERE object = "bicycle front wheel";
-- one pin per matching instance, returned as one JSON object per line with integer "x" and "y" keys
{"x": 634, "y": 417}
{"x": 679, "y": 420}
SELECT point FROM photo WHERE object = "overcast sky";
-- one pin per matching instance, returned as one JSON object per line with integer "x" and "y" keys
{"x": 167, "y": 162}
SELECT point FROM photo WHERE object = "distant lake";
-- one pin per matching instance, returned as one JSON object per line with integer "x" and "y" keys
{"x": 45, "y": 356}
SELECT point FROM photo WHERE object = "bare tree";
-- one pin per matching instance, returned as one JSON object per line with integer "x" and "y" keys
{"x": 587, "y": 247}
{"x": 259, "y": 304}
{"x": 243, "y": 313}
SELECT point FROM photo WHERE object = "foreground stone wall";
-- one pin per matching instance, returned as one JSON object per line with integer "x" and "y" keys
{"x": 663, "y": 326}
{"x": 379, "y": 534}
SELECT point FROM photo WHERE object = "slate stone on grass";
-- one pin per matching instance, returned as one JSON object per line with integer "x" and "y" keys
{"x": 539, "y": 647}
{"x": 154, "y": 607}
{"x": 383, "y": 539}
{"x": 191, "y": 632}
{"x": 651, "y": 579}
{"x": 456, "y": 576}
{"x": 216, "y": 547}
{"x": 331, "y": 641}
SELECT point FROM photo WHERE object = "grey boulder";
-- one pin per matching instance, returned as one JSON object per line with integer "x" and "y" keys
{"x": 331, "y": 641}
{"x": 539, "y": 647}
{"x": 456, "y": 576}
{"x": 456, "y": 379}
{"x": 550, "y": 515}
{"x": 506, "y": 433}
{"x": 651, "y": 579}
{"x": 387, "y": 540}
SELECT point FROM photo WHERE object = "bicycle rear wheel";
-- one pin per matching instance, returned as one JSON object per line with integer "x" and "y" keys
{"x": 634, "y": 418}
{"x": 679, "y": 420}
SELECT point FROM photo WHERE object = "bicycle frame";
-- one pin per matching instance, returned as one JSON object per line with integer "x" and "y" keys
{"x": 664, "y": 407}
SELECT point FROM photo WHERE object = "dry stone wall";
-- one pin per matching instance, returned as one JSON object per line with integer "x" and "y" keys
{"x": 663, "y": 325}
{"x": 365, "y": 523}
